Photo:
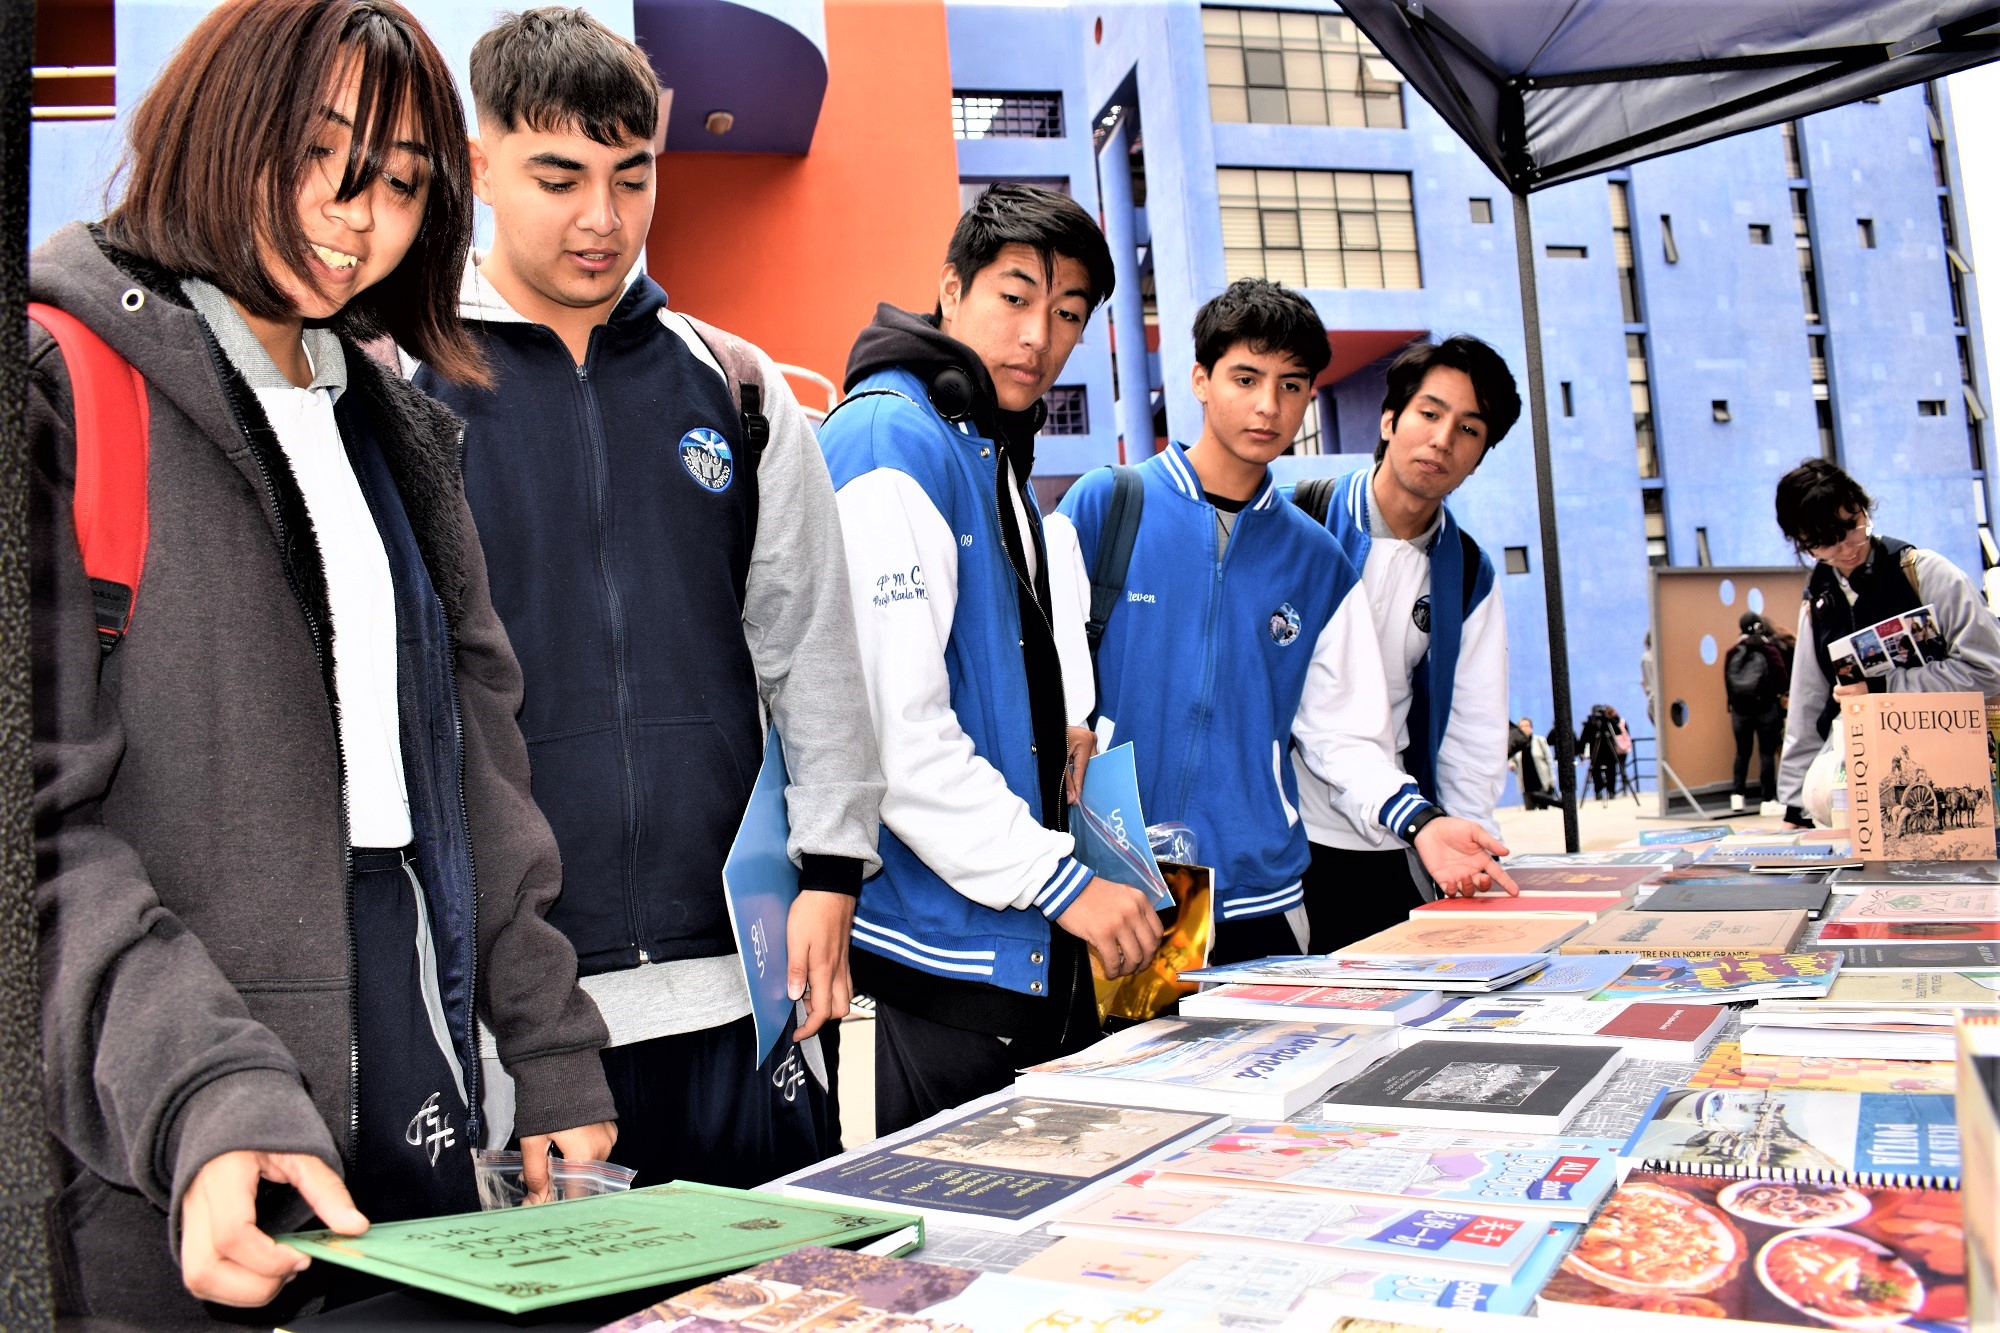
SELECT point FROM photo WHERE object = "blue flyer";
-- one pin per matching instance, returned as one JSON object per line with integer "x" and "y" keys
{"x": 1110, "y": 827}
{"x": 760, "y": 883}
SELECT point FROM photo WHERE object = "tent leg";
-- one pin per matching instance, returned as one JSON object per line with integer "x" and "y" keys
{"x": 1680, "y": 786}
{"x": 24, "y": 1262}
{"x": 1545, "y": 491}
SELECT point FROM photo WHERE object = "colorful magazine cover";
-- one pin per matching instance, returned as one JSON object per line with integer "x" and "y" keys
{"x": 1266, "y": 1287}
{"x": 1110, "y": 827}
{"x": 1559, "y": 1178}
{"x": 1468, "y": 1242}
{"x": 1329, "y": 1004}
{"x": 1883, "y": 1138}
{"x": 1578, "y": 974}
{"x": 1726, "y": 978}
{"x": 1728, "y": 1067}
{"x": 1002, "y": 1164}
{"x": 1782, "y": 1253}
{"x": 1430, "y": 972}
{"x": 815, "y": 1290}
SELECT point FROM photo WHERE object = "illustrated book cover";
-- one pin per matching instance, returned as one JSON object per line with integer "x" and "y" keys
{"x": 1451, "y": 936}
{"x": 1476, "y": 1085}
{"x": 1842, "y": 934}
{"x": 1267, "y": 1287}
{"x": 1923, "y": 902}
{"x": 1880, "y": 1138}
{"x": 1317, "y": 1004}
{"x": 1429, "y": 972}
{"x": 1233, "y": 1066}
{"x": 1004, "y": 1163}
{"x": 1576, "y": 974}
{"x": 1917, "y": 872}
{"x": 1729, "y": 1066}
{"x": 829, "y": 1291}
{"x": 1919, "y": 779}
{"x": 1677, "y": 934}
{"x": 521, "y": 1259}
{"x": 1560, "y": 1179}
{"x": 1462, "y": 1242}
{"x": 1727, "y": 978}
{"x": 1642, "y": 1029}
{"x": 1767, "y": 1253}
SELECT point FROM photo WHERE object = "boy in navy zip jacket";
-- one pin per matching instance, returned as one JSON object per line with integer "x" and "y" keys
{"x": 1241, "y": 635}
{"x": 1440, "y": 622}
{"x": 973, "y": 938}
{"x": 660, "y": 583}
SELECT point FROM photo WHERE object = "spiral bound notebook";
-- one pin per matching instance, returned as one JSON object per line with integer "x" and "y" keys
{"x": 1904, "y": 1140}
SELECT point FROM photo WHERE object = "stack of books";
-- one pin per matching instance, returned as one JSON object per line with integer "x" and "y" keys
{"x": 1430, "y": 972}
{"x": 1883, "y": 1015}
{"x": 1644, "y": 1030}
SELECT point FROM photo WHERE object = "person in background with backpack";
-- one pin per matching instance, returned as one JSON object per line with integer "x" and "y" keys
{"x": 1260, "y": 619}
{"x": 1752, "y": 676}
{"x": 664, "y": 574}
{"x": 974, "y": 940}
{"x": 268, "y": 762}
{"x": 1859, "y": 579}
{"x": 1443, "y": 634}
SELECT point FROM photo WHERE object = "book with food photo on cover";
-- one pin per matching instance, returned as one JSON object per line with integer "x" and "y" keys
{"x": 1313, "y": 1004}
{"x": 1677, "y": 934}
{"x": 1557, "y": 1178}
{"x": 1880, "y": 1138}
{"x": 1766, "y": 1254}
{"x": 1727, "y": 978}
{"x": 1002, "y": 1163}
{"x": 815, "y": 1290}
{"x": 1476, "y": 1085}
{"x": 1729, "y": 1066}
{"x": 1233, "y": 1066}
{"x": 1919, "y": 777}
{"x": 1265, "y": 1287}
{"x": 1452, "y": 936}
{"x": 1643, "y": 1030}
{"x": 1452, "y": 1242}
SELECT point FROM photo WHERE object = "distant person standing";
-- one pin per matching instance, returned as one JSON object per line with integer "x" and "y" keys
{"x": 1752, "y": 673}
{"x": 1533, "y": 766}
{"x": 1860, "y": 579}
{"x": 1597, "y": 740}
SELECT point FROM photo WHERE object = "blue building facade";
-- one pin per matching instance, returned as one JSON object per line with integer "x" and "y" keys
{"x": 1710, "y": 318}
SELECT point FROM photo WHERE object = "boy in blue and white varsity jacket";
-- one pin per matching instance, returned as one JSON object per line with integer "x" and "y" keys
{"x": 665, "y": 585}
{"x": 1443, "y": 635}
{"x": 1242, "y": 634}
{"x": 972, "y": 938}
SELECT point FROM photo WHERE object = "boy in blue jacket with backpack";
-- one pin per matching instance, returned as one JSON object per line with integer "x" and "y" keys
{"x": 1239, "y": 634}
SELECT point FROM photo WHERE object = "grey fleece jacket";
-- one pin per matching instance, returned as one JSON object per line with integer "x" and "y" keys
{"x": 1974, "y": 665}
{"x": 189, "y": 821}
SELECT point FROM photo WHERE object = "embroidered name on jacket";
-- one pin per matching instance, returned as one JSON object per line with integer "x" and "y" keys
{"x": 705, "y": 454}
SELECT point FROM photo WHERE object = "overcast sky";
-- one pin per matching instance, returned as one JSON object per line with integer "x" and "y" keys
{"x": 1975, "y": 101}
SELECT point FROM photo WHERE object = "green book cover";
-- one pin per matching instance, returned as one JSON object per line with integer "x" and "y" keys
{"x": 521, "y": 1259}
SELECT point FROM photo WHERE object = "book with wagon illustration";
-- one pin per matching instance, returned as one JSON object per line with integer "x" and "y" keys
{"x": 1780, "y": 1254}
{"x": 1919, "y": 779}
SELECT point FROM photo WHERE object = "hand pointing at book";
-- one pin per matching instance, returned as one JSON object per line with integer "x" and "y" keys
{"x": 1461, "y": 857}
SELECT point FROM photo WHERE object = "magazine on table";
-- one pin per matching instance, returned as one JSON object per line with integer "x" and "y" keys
{"x": 1900, "y": 643}
{"x": 1429, "y": 972}
{"x": 1643, "y": 1029}
{"x": 1727, "y": 978}
{"x": 1379, "y": 1006}
{"x": 1729, "y": 1066}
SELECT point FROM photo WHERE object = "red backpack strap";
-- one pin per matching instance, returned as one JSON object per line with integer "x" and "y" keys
{"x": 112, "y": 422}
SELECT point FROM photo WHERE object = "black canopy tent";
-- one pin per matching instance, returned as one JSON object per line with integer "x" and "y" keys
{"x": 1547, "y": 91}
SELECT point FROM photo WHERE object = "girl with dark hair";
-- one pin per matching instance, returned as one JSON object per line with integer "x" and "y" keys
{"x": 258, "y": 810}
{"x": 1860, "y": 578}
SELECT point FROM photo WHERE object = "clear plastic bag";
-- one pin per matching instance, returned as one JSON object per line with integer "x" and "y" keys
{"x": 501, "y": 1186}
{"x": 1174, "y": 842}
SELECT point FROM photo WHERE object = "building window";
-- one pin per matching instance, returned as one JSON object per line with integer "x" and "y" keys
{"x": 1482, "y": 211}
{"x": 75, "y": 61}
{"x": 1823, "y": 411}
{"x": 1656, "y": 525}
{"x": 1319, "y": 228}
{"x": 1701, "y": 556}
{"x": 1864, "y": 232}
{"x": 1567, "y": 251}
{"x": 1269, "y": 67}
{"x": 1517, "y": 559}
{"x": 1795, "y": 161}
{"x": 1816, "y": 362}
{"x": 1568, "y": 400}
{"x": 1930, "y": 407}
{"x": 1069, "y": 410}
{"x": 1718, "y": 410}
{"x": 1760, "y": 233}
{"x": 1668, "y": 250}
{"x": 1307, "y": 443}
{"x": 1642, "y": 405}
{"x": 1808, "y": 272}
{"x": 1621, "y": 251}
{"x": 1006, "y": 115}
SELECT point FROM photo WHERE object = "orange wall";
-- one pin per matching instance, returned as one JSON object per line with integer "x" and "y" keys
{"x": 794, "y": 252}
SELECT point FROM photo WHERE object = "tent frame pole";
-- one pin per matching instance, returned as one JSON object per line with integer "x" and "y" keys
{"x": 1545, "y": 494}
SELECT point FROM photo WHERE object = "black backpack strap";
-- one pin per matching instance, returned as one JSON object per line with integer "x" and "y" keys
{"x": 1469, "y": 550}
{"x": 1114, "y": 550}
{"x": 736, "y": 361}
{"x": 1315, "y": 496}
